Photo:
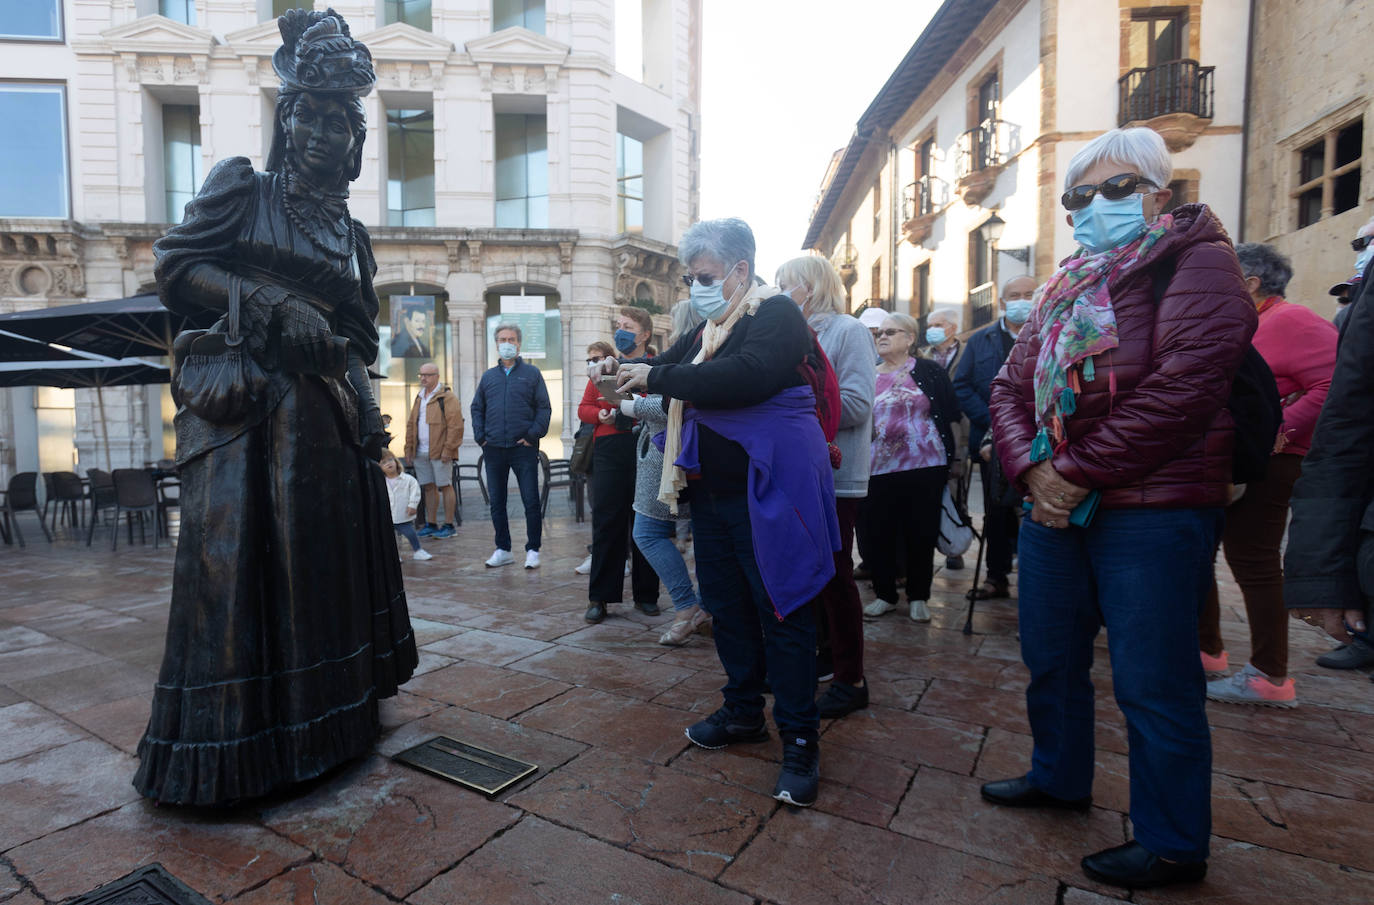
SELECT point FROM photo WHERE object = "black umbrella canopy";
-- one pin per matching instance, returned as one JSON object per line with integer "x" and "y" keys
{"x": 14, "y": 347}
{"x": 82, "y": 374}
{"x": 117, "y": 328}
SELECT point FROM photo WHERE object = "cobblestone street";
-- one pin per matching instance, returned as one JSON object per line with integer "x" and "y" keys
{"x": 622, "y": 808}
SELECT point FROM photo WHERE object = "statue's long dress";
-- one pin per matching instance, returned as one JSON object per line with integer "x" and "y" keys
{"x": 288, "y": 618}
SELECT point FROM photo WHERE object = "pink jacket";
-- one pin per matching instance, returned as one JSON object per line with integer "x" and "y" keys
{"x": 1300, "y": 348}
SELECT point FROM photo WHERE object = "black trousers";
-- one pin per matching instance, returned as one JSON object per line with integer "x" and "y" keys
{"x": 905, "y": 524}
{"x": 613, "y": 496}
{"x": 1001, "y": 525}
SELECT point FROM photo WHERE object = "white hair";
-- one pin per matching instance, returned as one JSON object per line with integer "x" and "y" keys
{"x": 1138, "y": 147}
{"x": 953, "y": 314}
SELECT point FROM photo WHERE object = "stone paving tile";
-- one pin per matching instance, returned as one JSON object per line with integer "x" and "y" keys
{"x": 501, "y": 693}
{"x": 428, "y": 631}
{"x": 404, "y": 708}
{"x": 947, "y": 810}
{"x": 860, "y": 785}
{"x": 1359, "y": 726}
{"x": 1294, "y": 820}
{"x": 491, "y": 648}
{"x": 26, "y": 728}
{"x": 699, "y": 693}
{"x": 316, "y": 883}
{"x": 625, "y": 725}
{"x": 617, "y": 636}
{"x": 900, "y": 692}
{"x": 606, "y": 672}
{"x": 977, "y": 704}
{"x": 61, "y": 786}
{"x": 1243, "y": 874}
{"x": 1008, "y": 754}
{"x": 44, "y": 660}
{"x": 121, "y": 722}
{"x": 10, "y": 883}
{"x": 674, "y": 817}
{"x": 430, "y": 662}
{"x": 390, "y": 825}
{"x": 1318, "y": 768}
{"x": 537, "y": 863}
{"x": 86, "y": 686}
{"x": 217, "y": 853}
{"x": 8, "y": 696}
{"x": 1076, "y": 896}
{"x": 909, "y": 737}
{"x": 1312, "y": 724}
{"x": 810, "y": 858}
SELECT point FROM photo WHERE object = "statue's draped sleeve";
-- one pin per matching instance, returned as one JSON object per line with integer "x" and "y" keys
{"x": 213, "y": 223}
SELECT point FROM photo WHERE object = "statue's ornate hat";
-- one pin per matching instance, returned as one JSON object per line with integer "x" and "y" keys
{"x": 319, "y": 55}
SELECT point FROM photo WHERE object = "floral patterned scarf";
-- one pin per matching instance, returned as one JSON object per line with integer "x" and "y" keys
{"x": 1077, "y": 322}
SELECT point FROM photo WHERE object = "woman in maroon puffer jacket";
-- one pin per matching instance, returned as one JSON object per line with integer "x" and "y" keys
{"x": 1111, "y": 414}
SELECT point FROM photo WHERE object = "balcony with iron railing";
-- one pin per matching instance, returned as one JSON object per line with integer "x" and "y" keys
{"x": 983, "y": 153}
{"x": 922, "y": 202}
{"x": 982, "y": 304}
{"x": 1174, "y": 98}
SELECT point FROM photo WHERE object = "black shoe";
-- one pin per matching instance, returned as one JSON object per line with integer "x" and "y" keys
{"x": 1019, "y": 793}
{"x": 596, "y": 611}
{"x": 825, "y": 667}
{"x": 801, "y": 771}
{"x": 842, "y": 699}
{"x": 721, "y": 729}
{"x": 954, "y": 563}
{"x": 1132, "y": 866}
{"x": 1355, "y": 655}
{"x": 647, "y": 607}
{"x": 861, "y": 571}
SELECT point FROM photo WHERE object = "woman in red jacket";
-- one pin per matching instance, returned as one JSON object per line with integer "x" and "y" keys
{"x": 1300, "y": 348}
{"x": 1111, "y": 414}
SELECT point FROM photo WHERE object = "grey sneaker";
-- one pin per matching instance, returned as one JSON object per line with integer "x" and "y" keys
{"x": 1355, "y": 655}
{"x": 1250, "y": 686}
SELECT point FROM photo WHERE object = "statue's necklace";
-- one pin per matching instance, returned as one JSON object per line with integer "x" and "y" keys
{"x": 321, "y": 215}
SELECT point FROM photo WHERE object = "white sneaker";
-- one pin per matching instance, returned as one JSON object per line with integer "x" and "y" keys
{"x": 422, "y": 555}
{"x": 919, "y": 611}
{"x": 627, "y": 570}
{"x": 879, "y": 607}
{"x": 500, "y": 558}
{"x": 531, "y": 559}
{"x": 584, "y": 567}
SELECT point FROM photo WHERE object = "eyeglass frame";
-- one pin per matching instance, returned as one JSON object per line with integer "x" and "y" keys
{"x": 1099, "y": 189}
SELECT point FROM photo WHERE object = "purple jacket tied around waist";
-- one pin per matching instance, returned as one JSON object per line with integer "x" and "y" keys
{"x": 791, "y": 490}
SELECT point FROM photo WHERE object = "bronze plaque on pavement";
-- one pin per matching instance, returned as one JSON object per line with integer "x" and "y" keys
{"x": 468, "y": 765}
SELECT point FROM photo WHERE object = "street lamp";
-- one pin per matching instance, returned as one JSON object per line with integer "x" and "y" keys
{"x": 991, "y": 233}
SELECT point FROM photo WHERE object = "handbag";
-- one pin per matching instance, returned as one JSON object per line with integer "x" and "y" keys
{"x": 956, "y": 535}
{"x": 580, "y": 462}
{"x": 214, "y": 375}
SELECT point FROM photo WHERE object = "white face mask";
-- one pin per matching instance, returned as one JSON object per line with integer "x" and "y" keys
{"x": 507, "y": 351}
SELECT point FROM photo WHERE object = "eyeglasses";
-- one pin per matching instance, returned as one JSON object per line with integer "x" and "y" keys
{"x": 890, "y": 332}
{"x": 1361, "y": 243}
{"x": 1114, "y": 189}
{"x": 705, "y": 280}
{"x": 596, "y": 360}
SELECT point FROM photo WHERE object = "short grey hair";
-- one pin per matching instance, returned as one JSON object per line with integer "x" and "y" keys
{"x": 1138, "y": 147}
{"x": 685, "y": 320}
{"x": 519, "y": 337}
{"x": 729, "y": 241}
{"x": 1266, "y": 262}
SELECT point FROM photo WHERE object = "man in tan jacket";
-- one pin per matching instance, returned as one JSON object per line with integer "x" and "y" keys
{"x": 432, "y": 445}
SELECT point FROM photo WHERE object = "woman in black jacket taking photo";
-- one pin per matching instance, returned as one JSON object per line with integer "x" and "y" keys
{"x": 912, "y": 447}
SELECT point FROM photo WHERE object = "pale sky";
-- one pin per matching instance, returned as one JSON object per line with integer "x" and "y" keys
{"x": 783, "y": 84}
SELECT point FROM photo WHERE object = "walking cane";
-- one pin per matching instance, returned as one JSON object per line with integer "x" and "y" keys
{"x": 978, "y": 560}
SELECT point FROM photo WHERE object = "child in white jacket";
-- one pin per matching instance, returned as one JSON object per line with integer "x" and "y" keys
{"x": 405, "y": 499}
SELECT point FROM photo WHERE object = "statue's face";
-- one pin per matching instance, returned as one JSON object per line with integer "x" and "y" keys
{"x": 321, "y": 137}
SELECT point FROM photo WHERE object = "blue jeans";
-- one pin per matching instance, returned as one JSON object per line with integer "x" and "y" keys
{"x": 407, "y": 530}
{"x": 1144, "y": 574}
{"x": 753, "y": 644}
{"x": 500, "y": 461}
{"x": 654, "y": 537}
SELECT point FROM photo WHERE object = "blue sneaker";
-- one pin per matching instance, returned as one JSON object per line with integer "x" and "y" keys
{"x": 427, "y": 530}
{"x": 446, "y": 531}
{"x": 721, "y": 729}
{"x": 801, "y": 772}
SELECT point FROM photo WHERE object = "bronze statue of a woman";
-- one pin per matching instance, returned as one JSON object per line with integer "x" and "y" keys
{"x": 288, "y": 618}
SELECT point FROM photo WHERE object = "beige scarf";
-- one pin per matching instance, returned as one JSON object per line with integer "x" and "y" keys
{"x": 674, "y": 479}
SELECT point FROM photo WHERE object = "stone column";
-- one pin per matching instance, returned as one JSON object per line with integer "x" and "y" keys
{"x": 466, "y": 314}
{"x": 572, "y": 363}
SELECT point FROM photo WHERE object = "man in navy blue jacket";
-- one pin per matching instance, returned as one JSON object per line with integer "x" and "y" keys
{"x": 983, "y": 357}
{"x": 510, "y": 413}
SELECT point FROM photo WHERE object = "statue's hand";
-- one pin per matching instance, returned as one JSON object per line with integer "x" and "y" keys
{"x": 374, "y": 444}
{"x": 301, "y": 323}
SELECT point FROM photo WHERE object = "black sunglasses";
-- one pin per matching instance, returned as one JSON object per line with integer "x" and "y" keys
{"x": 1113, "y": 189}
{"x": 890, "y": 332}
{"x": 688, "y": 279}
{"x": 1361, "y": 243}
{"x": 597, "y": 360}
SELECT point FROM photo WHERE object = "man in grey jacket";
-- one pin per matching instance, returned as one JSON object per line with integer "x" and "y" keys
{"x": 814, "y": 285}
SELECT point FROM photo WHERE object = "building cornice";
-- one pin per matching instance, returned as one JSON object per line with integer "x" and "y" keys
{"x": 517, "y": 47}
{"x": 156, "y": 35}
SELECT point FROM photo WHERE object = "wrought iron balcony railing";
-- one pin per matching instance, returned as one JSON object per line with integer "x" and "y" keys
{"x": 923, "y": 197}
{"x": 983, "y": 307}
{"x": 1179, "y": 86}
{"x": 983, "y": 146}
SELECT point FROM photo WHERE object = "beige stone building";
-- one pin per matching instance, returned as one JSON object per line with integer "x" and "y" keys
{"x": 952, "y": 180}
{"x": 1309, "y": 154}
{"x": 536, "y": 148}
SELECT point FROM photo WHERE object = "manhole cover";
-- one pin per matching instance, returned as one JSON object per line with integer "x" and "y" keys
{"x": 468, "y": 765}
{"x": 150, "y": 885}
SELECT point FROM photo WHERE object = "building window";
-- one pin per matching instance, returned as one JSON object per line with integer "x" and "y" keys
{"x": 33, "y": 142}
{"x": 989, "y": 112}
{"x": 183, "y": 11}
{"x": 629, "y": 184}
{"x": 180, "y": 157}
{"x": 920, "y": 292}
{"x": 418, "y": 13}
{"x": 875, "y": 287}
{"x": 410, "y": 168}
{"x": 523, "y": 13}
{"x": 877, "y": 207}
{"x": 982, "y": 277}
{"x": 522, "y": 171}
{"x": 1329, "y": 174}
{"x": 1156, "y": 36}
{"x": 31, "y": 20}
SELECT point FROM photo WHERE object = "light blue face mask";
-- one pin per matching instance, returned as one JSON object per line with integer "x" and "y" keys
{"x": 507, "y": 351}
{"x": 1018, "y": 311}
{"x": 935, "y": 335}
{"x": 709, "y": 301}
{"x": 1104, "y": 224}
{"x": 1362, "y": 259}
